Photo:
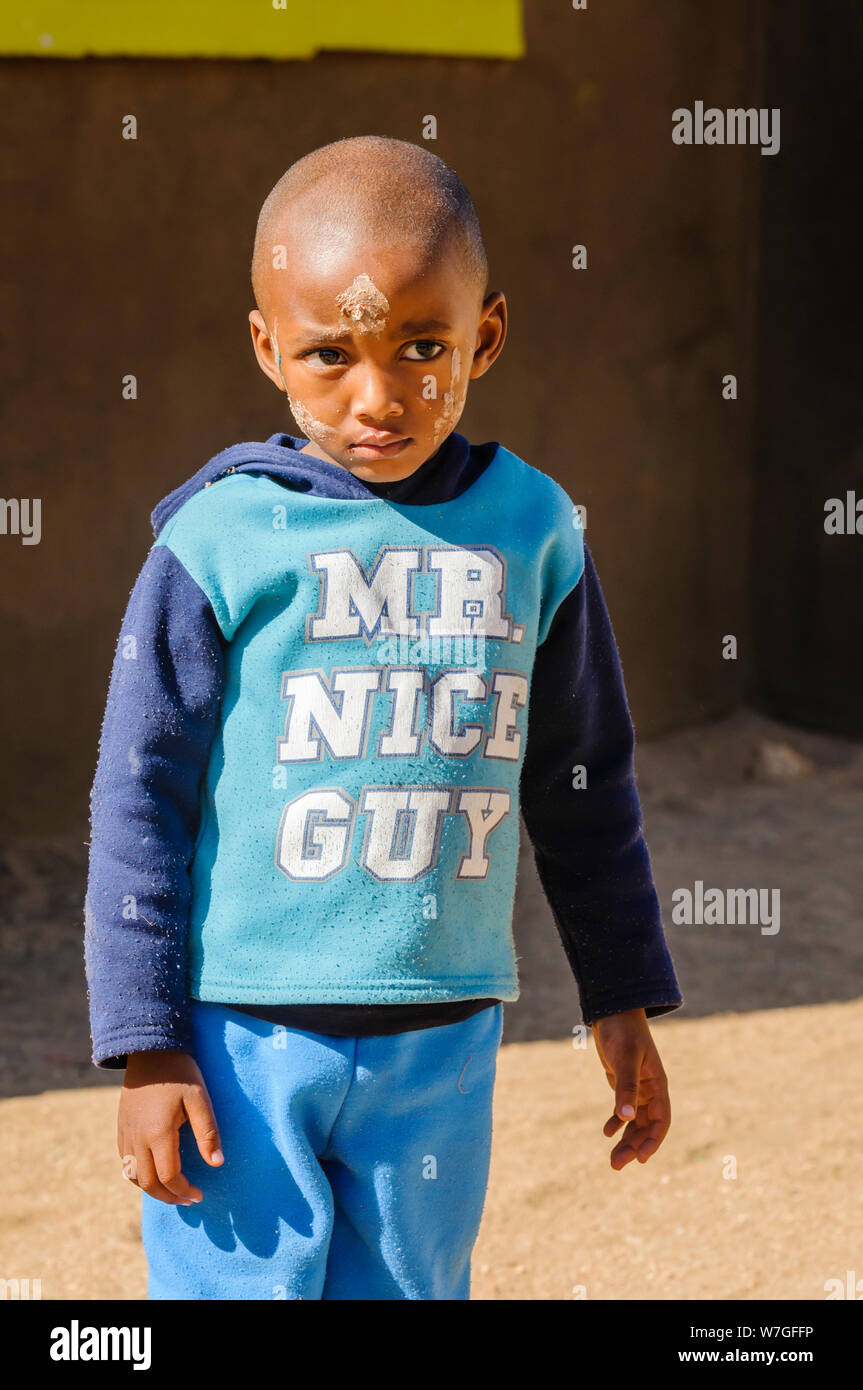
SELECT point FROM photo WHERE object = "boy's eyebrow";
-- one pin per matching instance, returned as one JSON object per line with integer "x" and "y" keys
{"x": 323, "y": 335}
{"x": 420, "y": 326}
{"x": 310, "y": 334}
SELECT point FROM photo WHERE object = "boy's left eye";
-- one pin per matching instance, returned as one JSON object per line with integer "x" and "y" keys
{"x": 421, "y": 343}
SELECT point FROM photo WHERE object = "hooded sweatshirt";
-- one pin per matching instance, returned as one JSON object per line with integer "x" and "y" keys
{"x": 328, "y": 704}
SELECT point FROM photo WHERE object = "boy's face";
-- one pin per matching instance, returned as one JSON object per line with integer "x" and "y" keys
{"x": 375, "y": 348}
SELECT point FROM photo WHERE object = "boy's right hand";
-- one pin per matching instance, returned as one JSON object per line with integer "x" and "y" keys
{"x": 161, "y": 1091}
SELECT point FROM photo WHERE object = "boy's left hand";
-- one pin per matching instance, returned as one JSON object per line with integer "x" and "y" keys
{"x": 635, "y": 1074}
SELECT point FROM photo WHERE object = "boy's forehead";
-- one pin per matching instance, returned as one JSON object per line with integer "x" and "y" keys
{"x": 316, "y": 281}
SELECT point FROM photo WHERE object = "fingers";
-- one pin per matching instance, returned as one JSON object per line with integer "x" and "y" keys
{"x": 199, "y": 1110}
{"x": 639, "y": 1142}
{"x": 626, "y": 1088}
{"x": 154, "y": 1167}
{"x": 160, "y": 1093}
{"x": 634, "y": 1072}
{"x": 643, "y": 1135}
{"x": 626, "y": 1097}
{"x": 166, "y": 1156}
{"x": 149, "y": 1181}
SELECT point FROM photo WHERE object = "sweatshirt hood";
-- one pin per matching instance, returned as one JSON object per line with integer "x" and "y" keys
{"x": 279, "y": 456}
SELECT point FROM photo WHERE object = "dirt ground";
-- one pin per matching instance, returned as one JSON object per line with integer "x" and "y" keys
{"x": 771, "y": 1093}
{"x": 755, "y": 1193}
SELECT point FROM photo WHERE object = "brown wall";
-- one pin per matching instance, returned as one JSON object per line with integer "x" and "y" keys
{"x": 807, "y": 592}
{"x": 132, "y": 258}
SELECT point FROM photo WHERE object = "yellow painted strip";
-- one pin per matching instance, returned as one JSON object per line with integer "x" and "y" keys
{"x": 260, "y": 28}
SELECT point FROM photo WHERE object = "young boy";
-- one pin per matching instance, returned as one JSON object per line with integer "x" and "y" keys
{"x": 348, "y": 661}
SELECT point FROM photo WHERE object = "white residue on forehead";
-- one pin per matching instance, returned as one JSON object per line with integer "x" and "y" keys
{"x": 363, "y": 306}
{"x": 452, "y": 401}
{"x": 314, "y": 429}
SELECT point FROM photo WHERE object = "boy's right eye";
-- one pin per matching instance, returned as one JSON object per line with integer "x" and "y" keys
{"x": 323, "y": 353}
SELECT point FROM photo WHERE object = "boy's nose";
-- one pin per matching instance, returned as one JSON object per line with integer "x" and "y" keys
{"x": 375, "y": 397}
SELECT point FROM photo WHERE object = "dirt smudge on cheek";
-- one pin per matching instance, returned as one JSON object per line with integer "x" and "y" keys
{"x": 314, "y": 429}
{"x": 452, "y": 401}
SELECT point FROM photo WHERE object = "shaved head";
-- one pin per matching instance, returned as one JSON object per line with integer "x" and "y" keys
{"x": 368, "y": 188}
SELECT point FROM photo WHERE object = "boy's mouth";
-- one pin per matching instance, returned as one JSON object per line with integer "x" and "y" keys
{"x": 380, "y": 445}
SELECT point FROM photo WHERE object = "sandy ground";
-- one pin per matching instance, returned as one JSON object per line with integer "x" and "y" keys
{"x": 768, "y": 1094}
{"x": 763, "y": 1063}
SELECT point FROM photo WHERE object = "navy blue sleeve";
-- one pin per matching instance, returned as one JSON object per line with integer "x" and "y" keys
{"x": 161, "y": 715}
{"x": 588, "y": 844}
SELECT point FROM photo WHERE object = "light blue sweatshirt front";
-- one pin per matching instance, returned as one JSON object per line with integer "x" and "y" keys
{"x": 358, "y": 832}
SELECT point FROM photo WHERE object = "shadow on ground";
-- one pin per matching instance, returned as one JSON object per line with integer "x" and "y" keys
{"x": 706, "y": 818}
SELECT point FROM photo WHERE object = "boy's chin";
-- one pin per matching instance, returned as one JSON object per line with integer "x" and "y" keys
{"x": 388, "y": 468}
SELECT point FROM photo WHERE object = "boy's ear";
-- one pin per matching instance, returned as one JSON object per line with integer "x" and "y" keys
{"x": 266, "y": 349}
{"x": 491, "y": 333}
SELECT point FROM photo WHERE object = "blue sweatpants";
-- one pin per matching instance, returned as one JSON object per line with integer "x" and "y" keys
{"x": 355, "y": 1168}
